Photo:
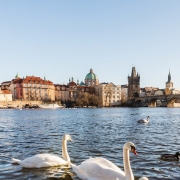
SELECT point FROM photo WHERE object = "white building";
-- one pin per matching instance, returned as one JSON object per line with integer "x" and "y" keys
{"x": 5, "y": 96}
{"x": 109, "y": 93}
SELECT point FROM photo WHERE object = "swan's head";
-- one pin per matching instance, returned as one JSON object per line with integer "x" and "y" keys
{"x": 67, "y": 137}
{"x": 148, "y": 117}
{"x": 131, "y": 147}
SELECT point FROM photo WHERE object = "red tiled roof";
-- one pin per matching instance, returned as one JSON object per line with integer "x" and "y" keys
{"x": 32, "y": 79}
{"x": 6, "y": 91}
{"x": 72, "y": 84}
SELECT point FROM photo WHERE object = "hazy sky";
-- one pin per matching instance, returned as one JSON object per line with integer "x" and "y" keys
{"x": 65, "y": 38}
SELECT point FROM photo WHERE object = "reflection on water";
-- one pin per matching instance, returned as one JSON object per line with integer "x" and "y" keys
{"x": 95, "y": 133}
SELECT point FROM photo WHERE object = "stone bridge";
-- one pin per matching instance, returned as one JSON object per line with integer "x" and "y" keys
{"x": 166, "y": 100}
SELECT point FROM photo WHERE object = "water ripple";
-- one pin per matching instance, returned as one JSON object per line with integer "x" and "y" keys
{"x": 95, "y": 133}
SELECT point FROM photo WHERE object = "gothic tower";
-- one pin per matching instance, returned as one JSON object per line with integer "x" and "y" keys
{"x": 133, "y": 84}
{"x": 169, "y": 83}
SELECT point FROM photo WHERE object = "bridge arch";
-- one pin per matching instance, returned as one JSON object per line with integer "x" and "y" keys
{"x": 157, "y": 102}
{"x": 171, "y": 102}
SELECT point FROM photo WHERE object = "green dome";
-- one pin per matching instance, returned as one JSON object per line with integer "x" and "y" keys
{"x": 91, "y": 76}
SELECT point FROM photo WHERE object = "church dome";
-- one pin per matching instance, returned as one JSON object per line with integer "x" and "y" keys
{"x": 91, "y": 75}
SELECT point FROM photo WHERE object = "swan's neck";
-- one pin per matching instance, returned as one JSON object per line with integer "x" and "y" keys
{"x": 127, "y": 166}
{"x": 65, "y": 154}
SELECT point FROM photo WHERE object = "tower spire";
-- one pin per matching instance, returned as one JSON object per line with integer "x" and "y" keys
{"x": 169, "y": 76}
{"x": 133, "y": 73}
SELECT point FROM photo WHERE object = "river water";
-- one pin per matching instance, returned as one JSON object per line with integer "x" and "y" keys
{"x": 98, "y": 132}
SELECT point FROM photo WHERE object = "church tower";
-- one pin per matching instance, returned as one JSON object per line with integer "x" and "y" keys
{"x": 133, "y": 84}
{"x": 169, "y": 83}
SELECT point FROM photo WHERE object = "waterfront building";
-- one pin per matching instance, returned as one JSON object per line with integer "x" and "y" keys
{"x": 5, "y": 96}
{"x": 61, "y": 92}
{"x": 5, "y": 85}
{"x": 71, "y": 90}
{"x": 91, "y": 79}
{"x": 133, "y": 84}
{"x": 109, "y": 93}
{"x": 124, "y": 93}
{"x": 32, "y": 88}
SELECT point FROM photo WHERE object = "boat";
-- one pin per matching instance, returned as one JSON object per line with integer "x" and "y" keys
{"x": 51, "y": 106}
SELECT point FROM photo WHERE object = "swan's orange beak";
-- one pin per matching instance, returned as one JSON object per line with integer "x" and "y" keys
{"x": 134, "y": 151}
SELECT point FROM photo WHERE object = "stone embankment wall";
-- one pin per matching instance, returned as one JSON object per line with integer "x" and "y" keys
{"x": 18, "y": 103}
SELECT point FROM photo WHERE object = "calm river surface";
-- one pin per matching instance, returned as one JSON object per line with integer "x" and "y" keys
{"x": 99, "y": 132}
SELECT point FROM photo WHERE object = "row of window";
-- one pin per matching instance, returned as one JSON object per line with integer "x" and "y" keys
{"x": 35, "y": 85}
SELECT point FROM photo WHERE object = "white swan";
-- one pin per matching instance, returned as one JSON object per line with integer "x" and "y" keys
{"x": 47, "y": 160}
{"x": 102, "y": 169}
{"x": 142, "y": 178}
{"x": 144, "y": 120}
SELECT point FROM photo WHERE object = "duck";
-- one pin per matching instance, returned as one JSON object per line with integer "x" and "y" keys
{"x": 144, "y": 120}
{"x": 47, "y": 160}
{"x": 99, "y": 168}
{"x": 171, "y": 157}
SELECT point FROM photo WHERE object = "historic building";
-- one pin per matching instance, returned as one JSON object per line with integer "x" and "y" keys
{"x": 124, "y": 93}
{"x": 32, "y": 88}
{"x": 148, "y": 91}
{"x": 5, "y": 85}
{"x": 169, "y": 83}
{"x": 71, "y": 90}
{"x": 61, "y": 92}
{"x": 110, "y": 94}
{"x": 91, "y": 79}
{"x": 5, "y": 96}
{"x": 169, "y": 86}
{"x": 133, "y": 84}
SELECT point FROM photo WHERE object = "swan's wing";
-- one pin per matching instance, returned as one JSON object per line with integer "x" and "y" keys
{"x": 104, "y": 162}
{"x": 42, "y": 160}
{"x": 94, "y": 171}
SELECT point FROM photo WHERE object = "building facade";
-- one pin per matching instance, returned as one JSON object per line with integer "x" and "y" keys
{"x": 133, "y": 84}
{"x": 5, "y": 96}
{"x": 110, "y": 94}
{"x": 61, "y": 92}
{"x": 71, "y": 90}
{"x": 33, "y": 89}
{"x": 124, "y": 93}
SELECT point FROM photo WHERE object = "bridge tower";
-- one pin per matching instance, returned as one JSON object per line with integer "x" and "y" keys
{"x": 133, "y": 84}
{"x": 169, "y": 83}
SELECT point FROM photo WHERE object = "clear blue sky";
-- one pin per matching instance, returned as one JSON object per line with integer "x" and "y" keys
{"x": 65, "y": 38}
